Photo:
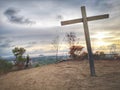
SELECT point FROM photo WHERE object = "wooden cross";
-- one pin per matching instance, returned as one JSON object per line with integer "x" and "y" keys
{"x": 84, "y": 19}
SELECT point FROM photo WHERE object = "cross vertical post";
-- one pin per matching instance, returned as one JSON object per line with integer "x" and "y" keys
{"x": 88, "y": 43}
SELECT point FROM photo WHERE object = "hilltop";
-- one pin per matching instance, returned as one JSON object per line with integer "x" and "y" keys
{"x": 67, "y": 75}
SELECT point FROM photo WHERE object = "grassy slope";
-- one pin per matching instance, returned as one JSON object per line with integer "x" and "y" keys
{"x": 70, "y": 75}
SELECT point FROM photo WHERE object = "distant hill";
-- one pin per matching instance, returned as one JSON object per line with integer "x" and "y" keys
{"x": 41, "y": 60}
{"x": 68, "y": 75}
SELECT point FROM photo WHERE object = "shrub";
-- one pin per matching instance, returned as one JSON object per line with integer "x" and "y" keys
{"x": 5, "y": 66}
{"x": 37, "y": 65}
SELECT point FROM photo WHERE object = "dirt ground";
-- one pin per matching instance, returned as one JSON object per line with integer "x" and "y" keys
{"x": 68, "y": 75}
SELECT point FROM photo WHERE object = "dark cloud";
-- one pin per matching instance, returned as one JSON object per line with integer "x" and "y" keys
{"x": 59, "y": 17}
{"x": 11, "y": 11}
{"x": 4, "y": 45}
{"x": 31, "y": 44}
{"x": 1, "y": 38}
{"x": 14, "y": 17}
{"x": 105, "y": 4}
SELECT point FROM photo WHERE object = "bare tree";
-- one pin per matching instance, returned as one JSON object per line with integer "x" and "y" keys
{"x": 74, "y": 46}
{"x": 71, "y": 38}
{"x": 112, "y": 49}
{"x": 56, "y": 45}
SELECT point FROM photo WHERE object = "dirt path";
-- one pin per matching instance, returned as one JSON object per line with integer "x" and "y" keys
{"x": 70, "y": 75}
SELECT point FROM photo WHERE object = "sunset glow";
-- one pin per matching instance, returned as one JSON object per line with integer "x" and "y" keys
{"x": 100, "y": 43}
{"x": 100, "y": 36}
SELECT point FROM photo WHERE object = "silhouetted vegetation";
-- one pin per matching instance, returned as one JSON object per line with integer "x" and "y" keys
{"x": 21, "y": 61}
{"x": 5, "y": 66}
{"x": 37, "y": 65}
{"x": 76, "y": 52}
{"x": 71, "y": 39}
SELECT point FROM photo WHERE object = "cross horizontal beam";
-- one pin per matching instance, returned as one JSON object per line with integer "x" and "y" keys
{"x": 81, "y": 20}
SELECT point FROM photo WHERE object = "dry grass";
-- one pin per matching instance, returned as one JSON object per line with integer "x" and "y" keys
{"x": 69, "y": 75}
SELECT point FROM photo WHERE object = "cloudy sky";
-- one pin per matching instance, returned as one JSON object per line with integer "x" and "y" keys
{"x": 34, "y": 24}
